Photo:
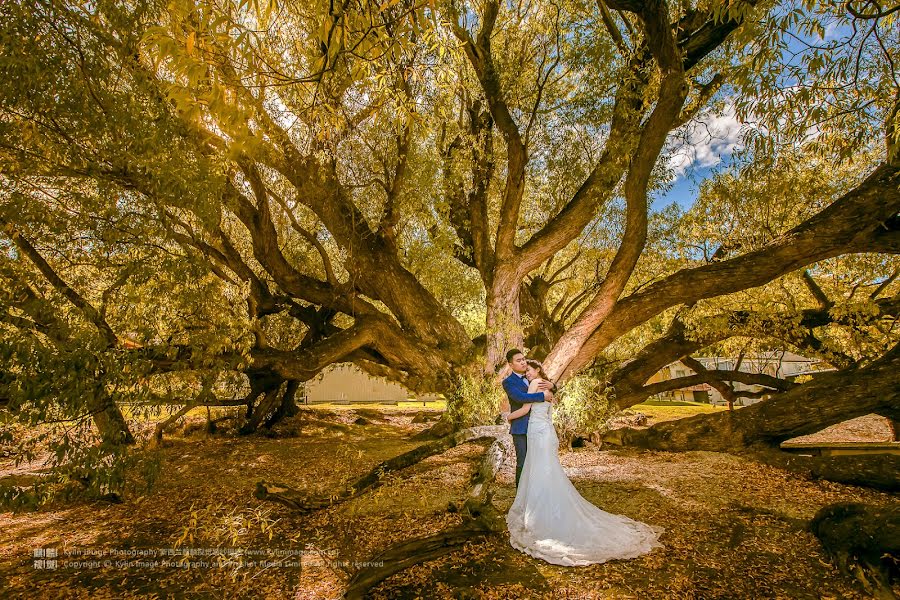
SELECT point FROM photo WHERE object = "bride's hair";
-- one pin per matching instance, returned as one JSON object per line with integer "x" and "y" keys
{"x": 540, "y": 368}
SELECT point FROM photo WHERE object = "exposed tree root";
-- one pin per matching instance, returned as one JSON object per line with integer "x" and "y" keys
{"x": 301, "y": 501}
{"x": 480, "y": 519}
{"x": 441, "y": 429}
{"x": 863, "y": 541}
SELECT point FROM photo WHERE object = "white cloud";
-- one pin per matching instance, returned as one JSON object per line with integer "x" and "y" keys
{"x": 705, "y": 141}
{"x": 836, "y": 30}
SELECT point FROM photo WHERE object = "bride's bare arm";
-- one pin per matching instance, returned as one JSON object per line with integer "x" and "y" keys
{"x": 519, "y": 413}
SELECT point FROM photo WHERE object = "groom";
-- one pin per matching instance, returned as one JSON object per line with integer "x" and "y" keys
{"x": 516, "y": 388}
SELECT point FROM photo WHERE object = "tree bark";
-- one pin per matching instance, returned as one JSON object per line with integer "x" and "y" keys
{"x": 546, "y": 327}
{"x": 110, "y": 422}
{"x": 504, "y": 329}
{"x": 287, "y": 407}
{"x": 266, "y": 407}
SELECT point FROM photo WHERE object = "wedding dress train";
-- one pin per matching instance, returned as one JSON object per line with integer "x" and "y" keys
{"x": 550, "y": 520}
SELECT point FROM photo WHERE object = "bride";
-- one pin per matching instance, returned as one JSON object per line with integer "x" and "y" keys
{"x": 549, "y": 519}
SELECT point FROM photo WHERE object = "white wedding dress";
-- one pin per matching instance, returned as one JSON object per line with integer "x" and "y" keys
{"x": 550, "y": 520}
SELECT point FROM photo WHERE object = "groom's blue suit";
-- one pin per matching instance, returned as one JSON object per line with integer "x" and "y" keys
{"x": 516, "y": 388}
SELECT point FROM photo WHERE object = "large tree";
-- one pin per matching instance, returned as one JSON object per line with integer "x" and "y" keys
{"x": 197, "y": 188}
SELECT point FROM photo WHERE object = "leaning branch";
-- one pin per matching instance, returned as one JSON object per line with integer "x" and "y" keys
{"x": 853, "y": 223}
{"x": 304, "y": 502}
{"x": 480, "y": 519}
{"x": 830, "y": 398}
{"x": 88, "y": 310}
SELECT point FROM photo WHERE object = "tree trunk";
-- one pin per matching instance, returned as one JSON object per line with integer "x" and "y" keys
{"x": 544, "y": 328}
{"x": 504, "y": 328}
{"x": 110, "y": 422}
{"x": 267, "y": 406}
{"x": 161, "y": 427}
{"x": 288, "y": 407}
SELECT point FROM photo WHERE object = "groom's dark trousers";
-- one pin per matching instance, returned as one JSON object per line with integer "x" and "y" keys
{"x": 520, "y": 441}
{"x": 516, "y": 388}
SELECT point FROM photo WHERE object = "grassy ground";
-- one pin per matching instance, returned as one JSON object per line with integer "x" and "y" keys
{"x": 657, "y": 412}
{"x": 430, "y": 405}
{"x": 734, "y": 528}
{"x": 133, "y": 413}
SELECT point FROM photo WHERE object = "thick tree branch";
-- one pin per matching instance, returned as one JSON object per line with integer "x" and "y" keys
{"x": 828, "y": 399}
{"x": 853, "y": 223}
{"x": 816, "y": 291}
{"x": 711, "y": 377}
{"x": 881, "y": 286}
{"x": 714, "y": 379}
{"x": 673, "y": 91}
{"x": 311, "y": 238}
{"x": 86, "y": 308}
{"x": 479, "y": 53}
{"x": 468, "y": 211}
{"x": 706, "y": 91}
{"x": 611, "y": 27}
{"x": 675, "y": 344}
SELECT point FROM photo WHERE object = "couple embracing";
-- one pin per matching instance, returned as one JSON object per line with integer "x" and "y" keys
{"x": 549, "y": 519}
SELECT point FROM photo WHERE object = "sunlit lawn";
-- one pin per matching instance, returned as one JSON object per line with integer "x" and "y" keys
{"x": 146, "y": 413}
{"x": 435, "y": 405}
{"x": 658, "y": 411}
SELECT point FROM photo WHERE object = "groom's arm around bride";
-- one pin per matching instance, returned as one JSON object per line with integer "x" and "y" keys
{"x": 517, "y": 393}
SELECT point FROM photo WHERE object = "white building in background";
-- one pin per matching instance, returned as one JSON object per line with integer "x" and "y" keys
{"x": 781, "y": 364}
{"x": 345, "y": 383}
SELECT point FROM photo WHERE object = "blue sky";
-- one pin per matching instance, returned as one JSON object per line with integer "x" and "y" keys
{"x": 685, "y": 189}
{"x": 695, "y": 152}
{"x": 706, "y": 145}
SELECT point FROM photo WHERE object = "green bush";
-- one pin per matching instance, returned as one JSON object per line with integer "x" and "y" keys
{"x": 475, "y": 401}
{"x": 583, "y": 407}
